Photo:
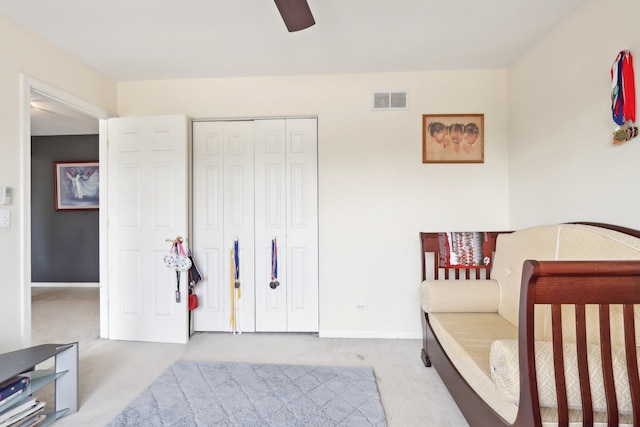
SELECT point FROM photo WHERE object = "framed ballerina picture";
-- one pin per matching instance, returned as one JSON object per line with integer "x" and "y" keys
{"x": 77, "y": 185}
{"x": 453, "y": 138}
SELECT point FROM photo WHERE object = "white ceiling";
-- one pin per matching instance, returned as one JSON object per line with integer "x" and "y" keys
{"x": 169, "y": 39}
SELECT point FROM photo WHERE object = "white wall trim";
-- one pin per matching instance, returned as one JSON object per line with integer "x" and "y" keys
{"x": 65, "y": 284}
{"x": 339, "y": 333}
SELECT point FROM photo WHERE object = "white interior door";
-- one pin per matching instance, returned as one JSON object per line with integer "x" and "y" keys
{"x": 147, "y": 204}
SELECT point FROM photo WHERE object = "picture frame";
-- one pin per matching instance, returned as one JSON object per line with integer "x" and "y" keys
{"x": 453, "y": 138}
{"x": 76, "y": 185}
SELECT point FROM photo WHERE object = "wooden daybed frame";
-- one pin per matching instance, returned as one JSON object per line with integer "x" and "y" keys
{"x": 599, "y": 282}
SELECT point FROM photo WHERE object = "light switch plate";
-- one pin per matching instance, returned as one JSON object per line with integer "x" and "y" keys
{"x": 5, "y": 218}
{"x": 6, "y": 195}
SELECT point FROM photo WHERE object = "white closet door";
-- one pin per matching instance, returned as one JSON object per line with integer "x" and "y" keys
{"x": 208, "y": 225}
{"x": 286, "y": 208}
{"x": 223, "y": 210}
{"x": 257, "y": 179}
{"x": 147, "y": 193}
{"x": 238, "y": 216}
{"x": 271, "y": 222}
{"x": 302, "y": 225}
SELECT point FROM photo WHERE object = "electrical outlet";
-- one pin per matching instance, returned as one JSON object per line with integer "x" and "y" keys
{"x": 5, "y": 218}
{"x": 361, "y": 306}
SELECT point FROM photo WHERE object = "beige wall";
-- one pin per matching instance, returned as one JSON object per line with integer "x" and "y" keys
{"x": 375, "y": 194}
{"x": 548, "y": 157}
{"x": 563, "y": 166}
{"x": 22, "y": 52}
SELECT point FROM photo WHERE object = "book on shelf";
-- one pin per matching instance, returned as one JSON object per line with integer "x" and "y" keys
{"x": 22, "y": 412}
{"x": 28, "y": 417}
{"x": 13, "y": 385}
{"x": 4, "y": 416}
{"x": 35, "y": 421}
{"x": 13, "y": 396}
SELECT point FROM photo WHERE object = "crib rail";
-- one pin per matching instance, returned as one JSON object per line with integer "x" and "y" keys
{"x": 578, "y": 284}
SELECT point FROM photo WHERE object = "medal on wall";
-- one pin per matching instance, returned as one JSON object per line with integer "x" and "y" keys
{"x": 623, "y": 98}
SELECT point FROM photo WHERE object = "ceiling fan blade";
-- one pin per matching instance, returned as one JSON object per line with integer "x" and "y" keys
{"x": 295, "y": 14}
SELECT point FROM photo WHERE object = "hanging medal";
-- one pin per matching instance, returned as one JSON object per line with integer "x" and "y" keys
{"x": 236, "y": 259}
{"x": 274, "y": 264}
{"x": 623, "y": 98}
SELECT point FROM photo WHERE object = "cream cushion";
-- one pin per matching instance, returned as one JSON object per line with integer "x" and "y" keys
{"x": 505, "y": 374}
{"x": 586, "y": 242}
{"x": 512, "y": 250}
{"x": 567, "y": 242}
{"x": 440, "y": 296}
{"x": 466, "y": 339}
{"x": 543, "y": 324}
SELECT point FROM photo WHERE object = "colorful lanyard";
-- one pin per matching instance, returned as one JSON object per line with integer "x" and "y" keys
{"x": 274, "y": 260}
{"x": 623, "y": 92}
{"x": 175, "y": 248}
{"x": 236, "y": 259}
{"x": 274, "y": 264}
{"x": 234, "y": 278}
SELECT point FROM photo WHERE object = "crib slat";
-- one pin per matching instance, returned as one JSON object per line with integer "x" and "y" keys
{"x": 558, "y": 365}
{"x": 632, "y": 360}
{"x": 436, "y": 269}
{"x": 583, "y": 365}
{"x": 607, "y": 365}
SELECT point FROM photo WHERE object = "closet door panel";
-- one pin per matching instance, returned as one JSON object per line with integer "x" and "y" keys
{"x": 208, "y": 224}
{"x": 302, "y": 228}
{"x": 238, "y": 200}
{"x": 270, "y": 218}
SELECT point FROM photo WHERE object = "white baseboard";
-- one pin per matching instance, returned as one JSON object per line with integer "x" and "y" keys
{"x": 65, "y": 284}
{"x": 406, "y": 335}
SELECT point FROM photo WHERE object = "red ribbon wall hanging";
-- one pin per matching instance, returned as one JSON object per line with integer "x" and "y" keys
{"x": 623, "y": 98}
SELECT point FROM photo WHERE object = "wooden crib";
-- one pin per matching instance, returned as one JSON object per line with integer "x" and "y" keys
{"x": 556, "y": 283}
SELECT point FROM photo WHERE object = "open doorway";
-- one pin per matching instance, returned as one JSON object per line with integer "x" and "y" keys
{"x": 58, "y": 125}
{"x": 65, "y": 271}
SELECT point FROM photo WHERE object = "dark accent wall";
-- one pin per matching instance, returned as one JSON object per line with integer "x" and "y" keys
{"x": 64, "y": 244}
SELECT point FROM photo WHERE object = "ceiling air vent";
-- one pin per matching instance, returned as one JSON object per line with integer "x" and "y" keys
{"x": 395, "y": 100}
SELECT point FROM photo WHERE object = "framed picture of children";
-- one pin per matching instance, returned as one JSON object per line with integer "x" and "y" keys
{"x": 453, "y": 138}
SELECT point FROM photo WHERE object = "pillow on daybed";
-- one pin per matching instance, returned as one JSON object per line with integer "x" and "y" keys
{"x": 505, "y": 374}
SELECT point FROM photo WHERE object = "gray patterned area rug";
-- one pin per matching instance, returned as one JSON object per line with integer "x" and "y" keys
{"x": 192, "y": 393}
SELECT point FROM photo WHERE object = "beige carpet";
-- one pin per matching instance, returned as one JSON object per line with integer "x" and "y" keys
{"x": 113, "y": 373}
{"x": 65, "y": 315}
